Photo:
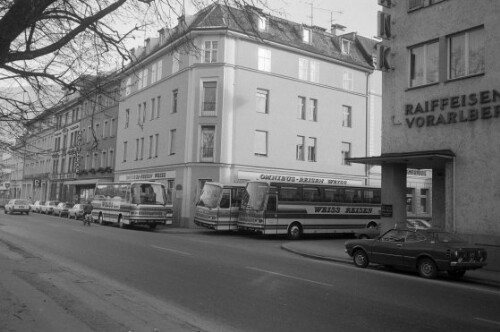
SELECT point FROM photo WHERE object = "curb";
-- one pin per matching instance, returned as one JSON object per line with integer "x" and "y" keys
{"x": 315, "y": 256}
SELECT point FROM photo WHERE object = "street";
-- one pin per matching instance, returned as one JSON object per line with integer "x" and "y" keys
{"x": 208, "y": 281}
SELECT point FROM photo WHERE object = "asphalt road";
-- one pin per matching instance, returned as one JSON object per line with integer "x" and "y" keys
{"x": 229, "y": 282}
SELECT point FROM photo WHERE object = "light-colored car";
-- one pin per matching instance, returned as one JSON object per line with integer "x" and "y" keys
{"x": 79, "y": 211}
{"x": 37, "y": 206}
{"x": 48, "y": 207}
{"x": 417, "y": 223}
{"x": 62, "y": 209}
{"x": 17, "y": 206}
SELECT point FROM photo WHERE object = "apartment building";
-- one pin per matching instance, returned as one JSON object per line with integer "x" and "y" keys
{"x": 236, "y": 94}
{"x": 441, "y": 111}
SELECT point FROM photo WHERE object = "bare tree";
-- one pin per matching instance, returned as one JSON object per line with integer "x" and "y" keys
{"x": 46, "y": 45}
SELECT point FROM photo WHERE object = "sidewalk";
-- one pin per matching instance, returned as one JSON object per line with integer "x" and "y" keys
{"x": 333, "y": 250}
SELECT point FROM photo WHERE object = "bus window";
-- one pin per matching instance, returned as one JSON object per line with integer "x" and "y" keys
{"x": 236, "y": 195}
{"x": 226, "y": 199}
{"x": 311, "y": 194}
{"x": 349, "y": 195}
{"x": 271, "y": 203}
{"x": 334, "y": 195}
{"x": 289, "y": 194}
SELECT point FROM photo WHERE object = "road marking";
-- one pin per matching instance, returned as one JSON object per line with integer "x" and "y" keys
{"x": 173, "y": 250}
{"x": 487, "y": 321}
{"x": 289, "y": 276}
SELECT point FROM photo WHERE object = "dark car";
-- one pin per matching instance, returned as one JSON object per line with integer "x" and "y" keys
{"x": 426, "y": 251}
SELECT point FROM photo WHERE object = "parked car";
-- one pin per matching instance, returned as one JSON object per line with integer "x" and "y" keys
{"x": 367, "y": 232}
{"x": 48, "y": 207}
{"x": 62, "y": 209}
{"x": 17, "y": 206}
{"x": 79, "y": 211}
{"x": 418, "y": 223}
{"x": 37, "y": 206}
{"x": 426, "y": 251}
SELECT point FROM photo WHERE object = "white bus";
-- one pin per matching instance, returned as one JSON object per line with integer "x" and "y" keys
{"x": 301, "y": 208}
{"x": 218, "y": 206}
{"x": 132, "y": 203}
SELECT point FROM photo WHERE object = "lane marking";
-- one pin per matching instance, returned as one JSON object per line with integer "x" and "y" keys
{"x": 173, "y": 250}
{"x": 289, "y": 276}
{"x": 487, "y": 321}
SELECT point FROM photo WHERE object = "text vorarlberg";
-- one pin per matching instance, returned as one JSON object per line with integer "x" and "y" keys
{"x": 455, "y": 109}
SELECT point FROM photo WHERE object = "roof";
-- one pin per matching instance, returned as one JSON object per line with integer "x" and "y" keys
{"x": 415, "y": 159}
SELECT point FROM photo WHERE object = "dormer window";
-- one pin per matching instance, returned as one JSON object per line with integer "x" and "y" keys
{"x": 306, "y": 35}
{"x": 346, "y": 46}
{"x": 262, "y": 23}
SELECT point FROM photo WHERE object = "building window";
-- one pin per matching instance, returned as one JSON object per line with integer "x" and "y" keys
{"x": 111, "y": 159}
{"x": 262, "y": 23}
{"x": 313, "y": 110}
{"x": 262, "y": 101}
{"x": 136, "y": 149}
{"x": 153, "y": 73}
{"x": 207, "y": 143}
{"x": 125, "y": 151}
{"x": 424, "y": 193}
{"x": 157, "y": 139}
{"x": 346, "y": 116}
{"x": 143, "y": 78}
{"x": 424, "y": 63}
{"x": 104, "y": 159}
{"x": 210, "y": 51}
{"x": 151, "y": 142}
{"x": 171, "y": 148}
{"x": 264, "y": 59}
{"x": 345, "y": 153}
{"x": 113, "y": 127}
{"x": 98, "y": 132}
{"x": 106, "y": 129}
{"x": 299, "y": 150}
{"x": 139, "y": 111}
{"x": 348, "y": 81}
{"x": 144, "y": 109}
{"x": 127, "y": 117}
{"x": 159, "y": 70}
{"x": 128, "y": 90}
{"x": 209, "y": 98}
{"x": 142, "y": 148}
{"x": 311, "y": 149}
{"x": 306, "y": 35}
{"x": 260, "y": 143}
{"x": 174, "y": 100}
{"x": 158, "y": 106}
{"x": 153, "y": 108}
{"x": 308, "y": 70}
{"x": 346, "y": 46}
{"x": 301, "y": 112}
{"x": 416, "y": 4}
{"x": 176, "y": 62}
{"x": 410, "y": 193}
{"x": 466, "y": 53}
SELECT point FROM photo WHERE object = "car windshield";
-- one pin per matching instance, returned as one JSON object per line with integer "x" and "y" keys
{"x": 446, "y": 237}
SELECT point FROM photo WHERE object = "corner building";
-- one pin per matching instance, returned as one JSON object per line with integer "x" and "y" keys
{"x": 231, "y": 95}
{"x": 441, "y": 111}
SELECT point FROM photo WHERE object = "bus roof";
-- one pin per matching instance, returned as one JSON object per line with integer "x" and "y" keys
{"x": 227, "y": 185}
{"x": 310, "y": 184}
{"x": 126, "y": 182}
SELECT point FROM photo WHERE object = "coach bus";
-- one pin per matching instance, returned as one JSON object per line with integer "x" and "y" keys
{"x": 218, "y": 206}
{"x": 132, "y": 203}
{"x": 296, "y": 209}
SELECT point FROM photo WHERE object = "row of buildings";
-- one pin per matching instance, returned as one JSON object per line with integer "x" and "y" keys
{"x": 229, "y": 95}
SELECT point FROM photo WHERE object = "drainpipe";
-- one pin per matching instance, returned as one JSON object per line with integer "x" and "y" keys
{"x": 453, "y": 212}
{"x": 367, "y": 126}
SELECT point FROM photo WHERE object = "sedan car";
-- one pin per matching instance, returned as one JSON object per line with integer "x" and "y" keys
{"x": 426, "y": 251}
{"x": 48, "y": 207}
{"x": 37, "y": 206}
{"x": 62, "y": 209}
{"x": 79, "y": 211}
{"x": 17, "y": 206}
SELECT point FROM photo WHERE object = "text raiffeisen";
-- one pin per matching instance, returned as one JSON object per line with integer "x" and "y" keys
{"x": 456, "y": 109}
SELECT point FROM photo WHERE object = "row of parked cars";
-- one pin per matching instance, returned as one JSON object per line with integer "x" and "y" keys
{"x": 60, "y": 209}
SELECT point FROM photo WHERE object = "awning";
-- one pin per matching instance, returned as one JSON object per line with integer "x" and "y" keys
{"x": 85, "y": 181}
{"x": 416, "y": 159}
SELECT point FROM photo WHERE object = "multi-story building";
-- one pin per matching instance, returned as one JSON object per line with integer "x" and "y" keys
{"x": 236, "y": 94}
{"x": 441, "y": 111}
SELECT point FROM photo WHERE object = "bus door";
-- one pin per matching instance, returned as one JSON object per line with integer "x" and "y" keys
{"x": 271, "y": 220}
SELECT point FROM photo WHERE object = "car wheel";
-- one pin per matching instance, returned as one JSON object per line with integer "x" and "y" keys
{"x": 294, "y": 231}
{"x": 360, "y": 258}
{"x": 427, "y": 268}
{"x": 121, "y": 224}
{"x": 456, "y": 274}
{"x": 372, "y": 225}
{"x": 101, "y": 219}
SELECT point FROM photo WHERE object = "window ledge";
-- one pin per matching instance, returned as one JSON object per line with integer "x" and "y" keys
{"x": 421, "y": 86}
{"x": 451, "y": 80}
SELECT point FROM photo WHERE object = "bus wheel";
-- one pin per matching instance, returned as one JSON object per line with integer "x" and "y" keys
{"x": 295, "y": 231}
{"x": 101, "y": 219}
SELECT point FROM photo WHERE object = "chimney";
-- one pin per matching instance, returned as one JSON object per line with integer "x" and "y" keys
{"x": 337, "y": 28}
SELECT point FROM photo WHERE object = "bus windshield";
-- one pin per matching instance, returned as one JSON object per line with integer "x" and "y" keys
{"x": 148, "y": 193}
{"x": 255, "y": 195}
{"x": 210, "y": 195}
